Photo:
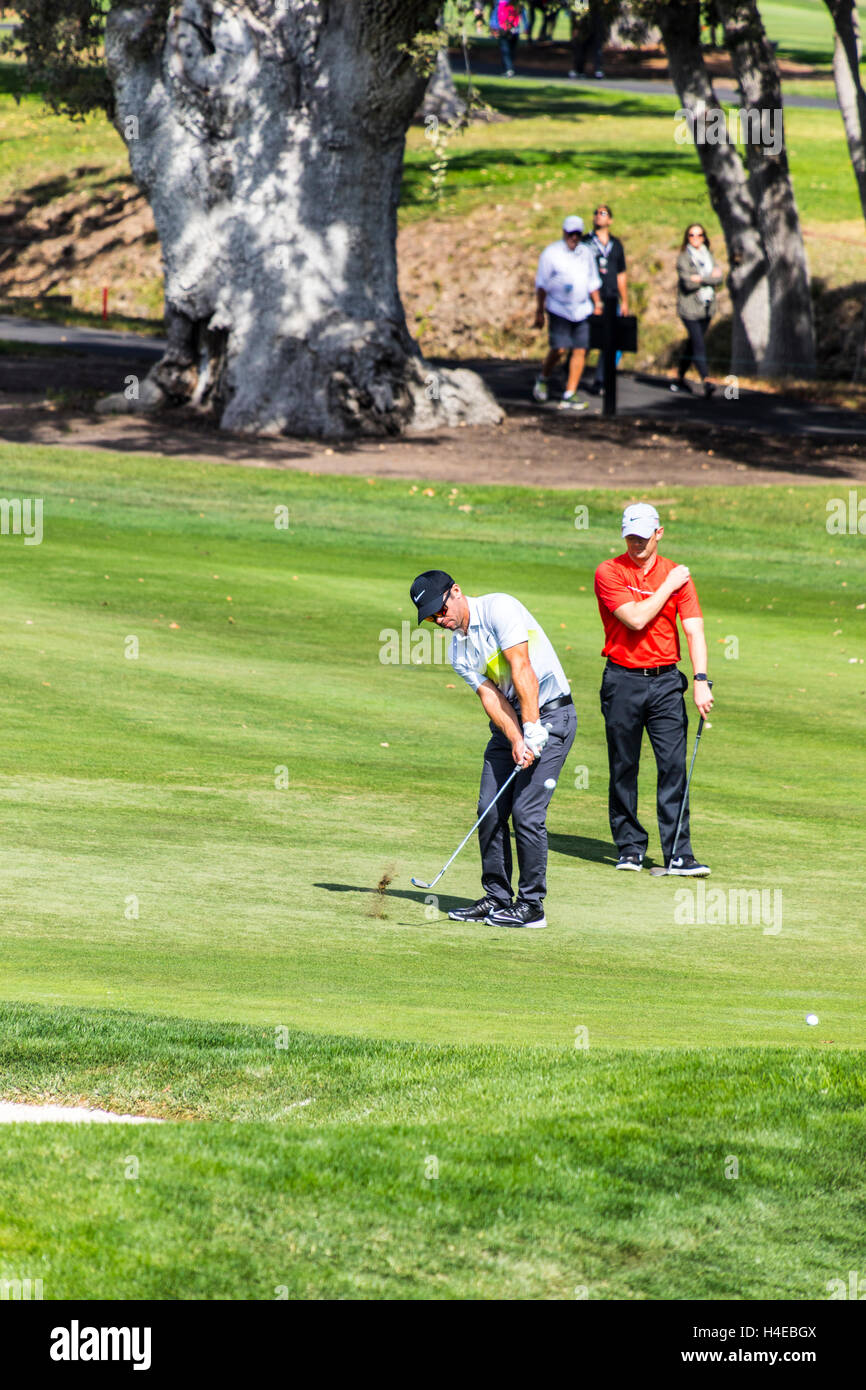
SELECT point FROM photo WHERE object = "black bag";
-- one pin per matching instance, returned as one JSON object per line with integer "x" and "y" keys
{"x": 626, "y": 332}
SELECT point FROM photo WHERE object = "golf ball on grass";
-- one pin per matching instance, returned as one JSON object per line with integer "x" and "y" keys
{"x": 811, "y": 1019}
{"x": 550, "y": 783}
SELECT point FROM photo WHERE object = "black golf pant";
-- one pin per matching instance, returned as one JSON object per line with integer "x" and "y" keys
{"x": 630, "y": 703}
{"x": 525, "y": 803}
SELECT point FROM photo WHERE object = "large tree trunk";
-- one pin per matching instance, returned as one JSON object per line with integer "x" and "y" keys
{"x": 773, "y": 331}
{"x": 849, "y": 87}
{"x": 268, "y": 137}
{"x": 792, "y": 329}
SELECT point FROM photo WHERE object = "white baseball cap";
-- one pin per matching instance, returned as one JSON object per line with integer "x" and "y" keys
{"x": 573, "y": 224}
{"x": 640, "y": 519}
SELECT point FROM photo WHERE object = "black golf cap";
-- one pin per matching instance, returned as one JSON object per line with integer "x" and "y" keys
{"x": 428, "y": 591}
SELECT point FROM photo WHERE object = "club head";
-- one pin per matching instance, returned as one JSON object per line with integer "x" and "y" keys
{"x": 419, "y": 883}
{"x": 658, "y": 870}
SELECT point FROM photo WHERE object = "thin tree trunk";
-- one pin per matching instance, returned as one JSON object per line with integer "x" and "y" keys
{"x": 441, "y": 98}
{"x": 849, "y": 87}
{"x": 268, "y": 137}
{"x": 791, "y": 344}
{"x": 773, "y": 330}
{"x": 728, "y": 189}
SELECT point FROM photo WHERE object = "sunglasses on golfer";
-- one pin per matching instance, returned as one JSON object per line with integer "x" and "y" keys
{"x": 442, "y": 610}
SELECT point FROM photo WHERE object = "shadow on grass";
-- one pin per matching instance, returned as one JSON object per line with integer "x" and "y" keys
{"x": 13, "y": 79}
{"x": 508, "y": 168}
{"x": 583, "y": 847}
{"x": 574, "y": 846}
{"x": 86, "y": 204}
{"x": 525, "y": 99}
{"x": 416, "y": 895}
{"x": 635, "y": 164}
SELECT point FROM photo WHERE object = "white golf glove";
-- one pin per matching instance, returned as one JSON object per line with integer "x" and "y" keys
{"x": 535, "y": 737}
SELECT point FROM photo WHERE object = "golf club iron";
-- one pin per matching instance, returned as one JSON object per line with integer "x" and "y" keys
{"x": 658, "y": 870}
{"x": 419, "y": 883}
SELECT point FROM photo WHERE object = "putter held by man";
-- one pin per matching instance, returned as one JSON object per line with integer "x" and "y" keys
{"x": 504, "y": 655}
{"x": 660, "y": 869}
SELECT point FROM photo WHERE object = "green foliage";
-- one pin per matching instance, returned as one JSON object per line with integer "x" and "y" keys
{"x": 62, "y": 49}
{"x": 440, "y": 134}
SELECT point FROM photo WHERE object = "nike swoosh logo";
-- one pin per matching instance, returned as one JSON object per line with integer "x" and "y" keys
{"x": 421, "y": 595}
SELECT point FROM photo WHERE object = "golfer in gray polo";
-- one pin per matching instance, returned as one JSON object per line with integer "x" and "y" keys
{"x": 505, "y": 656}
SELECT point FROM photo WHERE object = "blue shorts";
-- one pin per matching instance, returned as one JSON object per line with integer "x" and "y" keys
{"x": 565, "y": 333}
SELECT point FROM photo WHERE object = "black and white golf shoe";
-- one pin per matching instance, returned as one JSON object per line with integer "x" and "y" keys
{"x": 631, "y": 861}
{"x": 520, "y": 915}
{"x": 688, "y": 867}
{"x": 477, "y": 912}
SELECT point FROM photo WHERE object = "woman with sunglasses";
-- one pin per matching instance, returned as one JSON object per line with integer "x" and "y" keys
{"x": 698, "y": 275}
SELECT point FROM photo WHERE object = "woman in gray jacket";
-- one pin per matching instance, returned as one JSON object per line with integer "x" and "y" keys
{"x": 697, "y": 275}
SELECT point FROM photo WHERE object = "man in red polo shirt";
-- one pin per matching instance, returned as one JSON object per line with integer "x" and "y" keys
{"x": 640, "y": 595}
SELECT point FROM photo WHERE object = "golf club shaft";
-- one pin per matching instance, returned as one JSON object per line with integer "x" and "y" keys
{"x": 688, "y": 783}
{"x": 509, "y": 780}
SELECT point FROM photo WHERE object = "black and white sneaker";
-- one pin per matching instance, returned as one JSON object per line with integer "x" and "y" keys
{"x": 681, "y": 386}
{"x": 688, "y": 867}
{"x": 520, "y": 915}
{"x": 631, "y": 861}
{"x": 477, "y": 912}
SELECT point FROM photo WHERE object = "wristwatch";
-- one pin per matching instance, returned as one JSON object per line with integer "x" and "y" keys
{"x": 701, "y": 676}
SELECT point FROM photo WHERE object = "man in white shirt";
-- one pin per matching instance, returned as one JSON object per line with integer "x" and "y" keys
{"x": 505, "y": 656}
{"x": 568, "y": 286}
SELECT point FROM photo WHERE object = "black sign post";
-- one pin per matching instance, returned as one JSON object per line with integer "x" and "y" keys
{"x": 612, "y": 333}
{"x": 608, "y": 354}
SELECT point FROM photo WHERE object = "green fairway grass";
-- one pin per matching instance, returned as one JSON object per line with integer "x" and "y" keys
{"x": 172, "y": 910}
{"x": 388, "y": 1170}
{"x": 149, "y": 785}
{"x": 801, "y": 29}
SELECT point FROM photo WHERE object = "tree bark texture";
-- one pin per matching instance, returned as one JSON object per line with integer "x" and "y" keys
{"x": 791, "y": 347}
{"x": 268, "y": 136}
{"x": 728, "y": 189}
{"x": 773, "y": 329}
{"x": 847, "y": 51}
{"x": 441, "y": 99}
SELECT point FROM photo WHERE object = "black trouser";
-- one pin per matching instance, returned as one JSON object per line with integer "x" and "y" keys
{"x": 526, "y": 803}
{"x": 630, "y": 703}
{"x": 508, "y": 48}
{"x": 695, "y": 350}
{"x": 593, "y": 42}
